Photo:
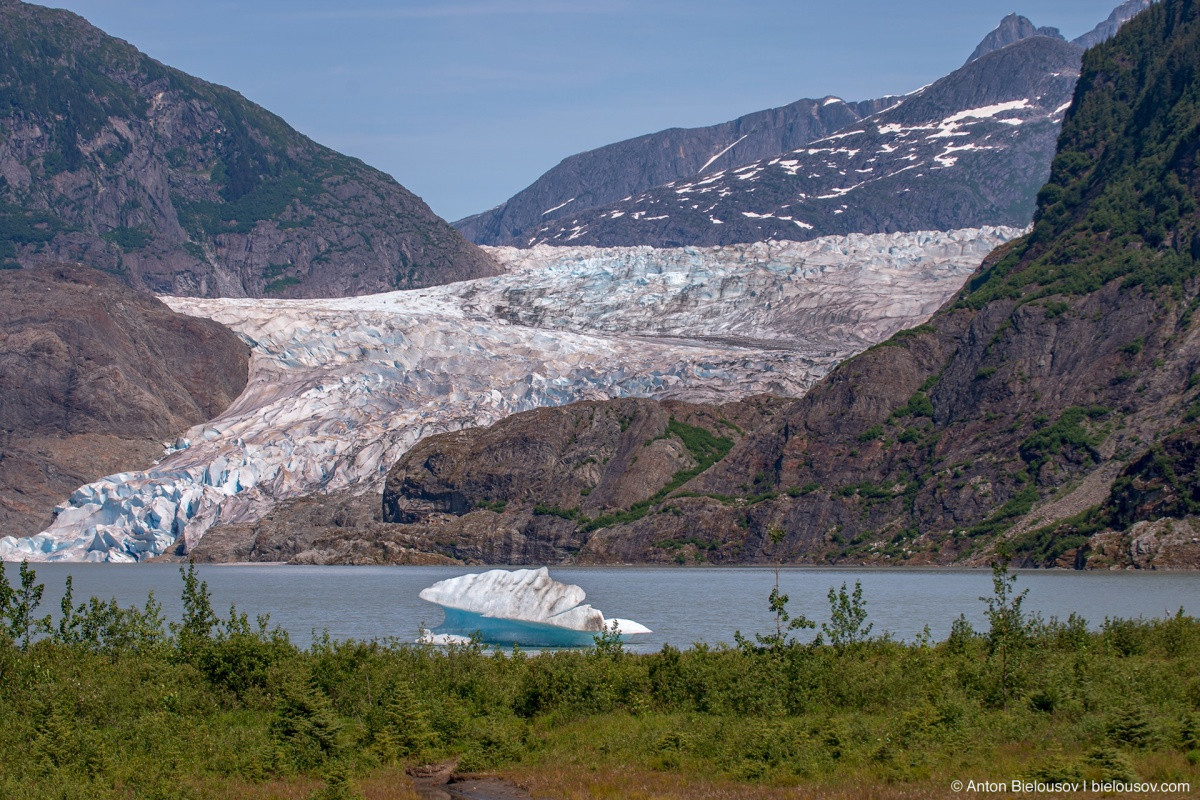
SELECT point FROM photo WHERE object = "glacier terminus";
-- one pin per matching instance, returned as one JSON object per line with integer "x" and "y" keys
{"x": 340, "y": 388}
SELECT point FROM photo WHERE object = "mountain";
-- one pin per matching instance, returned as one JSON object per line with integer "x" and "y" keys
{"x": 342, "y": 388}
{"x": 1011, "y": 29}
{"x": 1050, "y": 408}
{"x": 968, "y": 150}
{"x": 94, "y": 377}
{"x": 611, "y": 173}
{"x": 110, "y": 158}
{"x": 972, "y": 149}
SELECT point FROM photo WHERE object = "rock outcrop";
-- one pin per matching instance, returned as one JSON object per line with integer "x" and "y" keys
{"x": 110, "y": 158}
{"x": 93, "y": 378}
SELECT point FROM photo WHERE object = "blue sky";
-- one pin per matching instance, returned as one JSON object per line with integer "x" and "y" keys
{"x": 466, "y": 102}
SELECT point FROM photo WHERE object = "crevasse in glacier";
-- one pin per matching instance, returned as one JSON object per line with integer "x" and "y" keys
{"x": 340, "y": 388}
{"x": 524, "y": 606}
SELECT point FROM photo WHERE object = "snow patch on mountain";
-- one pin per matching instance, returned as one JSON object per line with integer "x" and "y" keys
{"x": 815, "y": 172}
{"x": 340, "y": 388}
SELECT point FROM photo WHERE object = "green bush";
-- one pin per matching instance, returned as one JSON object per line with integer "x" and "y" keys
{"x": 128, "y": 238}
{"x": 1068, "y": 433}
{"x": 215, "y": 704}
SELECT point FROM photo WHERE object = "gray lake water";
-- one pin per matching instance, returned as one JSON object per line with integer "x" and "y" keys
{"x": 681, "y": 605}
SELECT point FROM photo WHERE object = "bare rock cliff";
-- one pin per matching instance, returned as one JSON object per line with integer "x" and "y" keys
{"x": 94, "y": 378}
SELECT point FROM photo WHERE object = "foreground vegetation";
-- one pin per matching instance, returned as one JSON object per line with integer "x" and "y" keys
{"x": 111, "y": 702}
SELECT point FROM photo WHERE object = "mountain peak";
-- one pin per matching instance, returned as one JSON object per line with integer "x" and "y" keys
{"x": 1012, "y": 28}
{"x": 1105, "y": 30}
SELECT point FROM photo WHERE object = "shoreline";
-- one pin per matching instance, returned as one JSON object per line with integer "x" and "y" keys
{"x": 925, "y": 568}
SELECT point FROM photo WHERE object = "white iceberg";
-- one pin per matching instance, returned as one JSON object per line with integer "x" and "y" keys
{"x": 524, "y": 606}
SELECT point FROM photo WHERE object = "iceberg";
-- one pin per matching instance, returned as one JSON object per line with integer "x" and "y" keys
{"x": 524, "y": 606}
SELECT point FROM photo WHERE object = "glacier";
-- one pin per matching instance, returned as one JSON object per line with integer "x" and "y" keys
{"x": 524, "y": 606}
{"x": 340, "y": 388}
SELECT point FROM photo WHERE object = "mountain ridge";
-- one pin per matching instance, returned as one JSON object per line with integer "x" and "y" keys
{"x": 560, "y": 207}
{"x": 970, "y": 149}
{"x": 608, "y": 173}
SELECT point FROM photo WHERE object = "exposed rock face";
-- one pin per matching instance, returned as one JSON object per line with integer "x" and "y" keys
{"x": 93, "y": 378}
{"x": 558, "y": 459}
{"x": 1165, "y": 482}
{"x": 184, "y": 187}
{"x": 1164, "y": 543}
{"x": 1011, "y": 29}
{"x": 1151, "y": 519}
{"x": 608, "y": 174}
{"x": 344, "y": 527}
{"x": 341, "y": 388}
{"x": 1007, "y": 418}
{"x": 553, "y": 471}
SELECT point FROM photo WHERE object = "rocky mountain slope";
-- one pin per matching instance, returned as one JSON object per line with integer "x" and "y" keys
{"x": 594, "y": 455}
{"x": 1051, "y": 407}
{"x": 340, "y": 388}
{"x": 93, "y": 378}
{"x": 110, "y": 158}
{"x": 966, "y": 151}
{"x": 611, "y": 173}
{"x": 970, "y": 149}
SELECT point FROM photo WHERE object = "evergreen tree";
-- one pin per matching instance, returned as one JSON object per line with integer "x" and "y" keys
{"x": 306, "y": 728}
{"x": 406, "y": 729}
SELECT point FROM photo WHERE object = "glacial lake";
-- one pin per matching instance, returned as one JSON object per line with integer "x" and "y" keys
{"x": 682, "y": 605}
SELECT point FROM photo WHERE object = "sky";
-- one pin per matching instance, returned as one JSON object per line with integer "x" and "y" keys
{"x": 466, "y": 102}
